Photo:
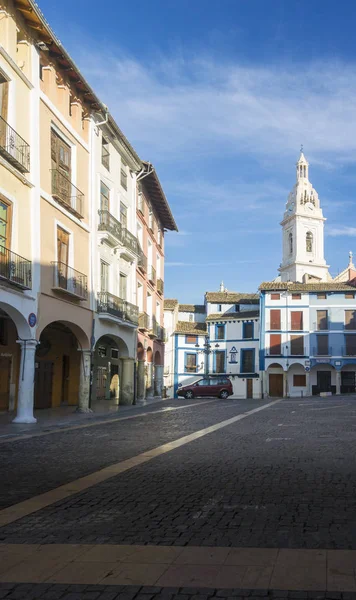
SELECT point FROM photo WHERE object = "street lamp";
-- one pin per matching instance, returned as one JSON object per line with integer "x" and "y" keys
{"x": 206, "y": 350}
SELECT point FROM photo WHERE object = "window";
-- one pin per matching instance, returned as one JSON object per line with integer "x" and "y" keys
{"x": 322, "y": 345}
{"x": 299, "y": 380}
{"x": 123, "y": 215}
{"x": 203, "y": 382}
{"x": 247, "y": 331}
{"x": 102, "y": 351}
{"x": 220, "y": 361}
{"x": 296, "y": 296}
{"x": 191, "y": 318}
{"x": 350, "y": 319}
{"x": 296, "y": 320}
{"x": 237, "y": 308}
{"x": 159, "y": 237}
{"x": 309, "y": 241}
{"x": 4, "y": 96}
{"x": 104, "y": 276}
{"x": 105, "y": 153}
{"x": 5, "y": 223}
{"x": 191, "y": 364}
{"x": 61, "y": 169}
{"x": 70, "y": 104}
{"x": 104, "y": 197}
{"x": 150, "y": 219}
{"x": 290, "y": 240}
{"x": 275, "y": 347}
{"x": 123, "y": 177}
{"x": 321, "y": 319}
{"x": 296, "y": 345}
{"x": 247, "y": 361}
{"x": 350, "y": 343}
{"x": 219, "y": 308}
{"x": 275, "y": 318}
{"x": 114, "y": 353}
{"x": 191, "y": 339}
{"x": 3, "y": 332}
{"x": 321, "y": 296}
{"x": 350, "y": 296}
{"x": 123, "y": 286}
{"x": 62, "y": 246}
{"x": 233, "y": 356}
{"x": 275, "y": 296}
{"x": 220, "y": 332}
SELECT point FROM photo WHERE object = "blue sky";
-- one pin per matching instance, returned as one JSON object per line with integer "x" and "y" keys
{"x": 219, "y": 95}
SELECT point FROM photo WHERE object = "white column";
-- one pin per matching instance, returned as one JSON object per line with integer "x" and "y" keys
{"x": 127, "y": 381}
{"x": 149, "y": 383}
{"x": 158, "y": 380}
{"x": 24, "y": 413}
{"x": 338, "y": 382}
{"x": 141, "y": 380}
{"x": 308, "y": 391}
{"x": 84, "y": 382}
{"x": 285, "y": 384}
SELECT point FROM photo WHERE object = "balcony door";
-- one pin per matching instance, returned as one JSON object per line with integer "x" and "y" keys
{"x": 104, "y": 276}
{"x": 5, "y": 223}
{"x": 62, "y": 257}
{"x": 61, "y": 165}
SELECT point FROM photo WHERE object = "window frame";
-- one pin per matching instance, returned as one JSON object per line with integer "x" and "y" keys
{"x": 186, "y": 370}
{"x": 351, "y": 324}
{"x": 326, "y": 317}
{"x": 296, "y": 296}
{"x": 272, "y": 312}
{"x": 221, "y": 353}
{"x": 301, "y": 320}
{"x": 321, "y": 296}
{"x": 274, "y": 344}
{"x": 245, "y": 324}
{"x": 322, "y": 335}
{"x": 301, "y": 376}
{"x": 187, "y": 341}
{"x": 220, "y": 327}
{"x": 8, "y": 225}
{"x": 242, "y": 358}
{"x": 295, "y": 338}
{"x": 275, "y": 296}
{"x": 349, "y": 295}
{"x": 105, "y": 153}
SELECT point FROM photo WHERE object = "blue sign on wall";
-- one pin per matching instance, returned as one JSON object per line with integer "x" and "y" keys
{"x": 32, "y": 319}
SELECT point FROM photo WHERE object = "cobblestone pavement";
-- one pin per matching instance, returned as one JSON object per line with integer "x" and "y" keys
{"x": 281, "y": 478}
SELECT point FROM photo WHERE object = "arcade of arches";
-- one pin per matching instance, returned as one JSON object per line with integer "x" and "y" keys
{"x": 149, "y": 372}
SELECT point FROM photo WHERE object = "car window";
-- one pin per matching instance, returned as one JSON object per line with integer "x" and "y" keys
{"x": 215, "y": 381}
{"x": 203, "y": 382}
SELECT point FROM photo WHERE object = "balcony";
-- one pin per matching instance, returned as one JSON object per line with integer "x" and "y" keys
{"x": 322, "y": 351}
{"x": 160, "y": 286}
{"x": 14, "y": 148}
{"x": 142, "y": 262}
{"x": 161, "y": 333}
{"x": 130, "y": 242}
{"x": 143, "y": 321}
{"x": 108, "y": 304}
{"x": 346, "y": 351}
{"x": 152, "y": 275}
{"x": 111, "y": 227}
{"x": 15, "y": 269}
{"x": 70, "y": 281}
{"x": 152, "y": 327}
{"x": 67, "y": 194}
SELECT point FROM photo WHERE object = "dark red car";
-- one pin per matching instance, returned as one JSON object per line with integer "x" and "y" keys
{"x": 221, "y": 387}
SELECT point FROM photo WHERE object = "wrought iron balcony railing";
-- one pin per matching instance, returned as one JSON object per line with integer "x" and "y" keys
{"x": 322, "y": 351}
{"x": 14, "y": 148}
{"x": 67, "y": 194}
{"x": 161, "y": 333}
{"x": 143, "y": 321}
{"x": 15, "y": 269}
{"x": 152, "y": 326}
{"x": 129, "y": 240}
{"x": 142, "y": 262}
{"x": 69, "y": 280}
{"x": 349, "y": 350}
{"x": 152, "y": 275}
{"x": 160, "y": 286}
{"x": 107, "y": 222}
{"x": 108, "y": 303}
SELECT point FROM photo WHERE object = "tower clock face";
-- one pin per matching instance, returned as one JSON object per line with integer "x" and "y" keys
{"x": 309, "y": 207}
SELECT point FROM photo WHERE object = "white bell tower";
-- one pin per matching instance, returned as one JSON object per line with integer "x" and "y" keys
{"x": 303, "y": 232}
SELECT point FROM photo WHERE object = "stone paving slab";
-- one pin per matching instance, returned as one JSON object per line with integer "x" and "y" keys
{"x": 174, "y": 567}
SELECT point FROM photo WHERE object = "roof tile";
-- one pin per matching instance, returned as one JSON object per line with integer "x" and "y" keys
{"x": 193, "y": 328}
{"x": 244, "y": 314}
{"x": 232, "y": 297}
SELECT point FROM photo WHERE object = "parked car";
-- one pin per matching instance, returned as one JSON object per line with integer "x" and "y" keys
{"x": 221, "y": 387}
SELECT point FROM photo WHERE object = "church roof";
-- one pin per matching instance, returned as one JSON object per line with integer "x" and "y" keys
{"x": 170, "y": 303}
{"x": 195, "y": 308}
{"x": 325, "y": 286}
{"x": 192, "y": 328}
{"x": 302, "y": 159}
{"x": 239, "y": 316}
{"x": 231, "y": 298}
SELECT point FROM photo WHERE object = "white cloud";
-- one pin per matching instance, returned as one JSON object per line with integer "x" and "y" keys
{"x": 203, "y": 107}
{"x": 342, "y": 230}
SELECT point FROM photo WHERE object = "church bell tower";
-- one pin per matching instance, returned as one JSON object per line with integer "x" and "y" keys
{"x": 303, "y": 232}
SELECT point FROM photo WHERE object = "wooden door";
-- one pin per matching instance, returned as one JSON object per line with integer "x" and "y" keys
{"x": 5, "y": 375}
{"x": 65, "y": 378}
{"x": 324, "y": 381}
{"x": 62, "y": 257}
{"x": 249, "y": 388}
{"x": 43, "y": 384}
{"x": 61, "y": 168}
{"x": 276, "y": 385}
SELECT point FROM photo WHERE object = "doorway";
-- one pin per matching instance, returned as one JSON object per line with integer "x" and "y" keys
{"x": 276, "y": 385}
{"x": 249, "y": 388}
{"x": 348, "y": 383}
{"x": 5, "y": 375}
{"x": 324, "y": 381}
{"x": 65, "y": 378}
{"x": 43, "y": 384}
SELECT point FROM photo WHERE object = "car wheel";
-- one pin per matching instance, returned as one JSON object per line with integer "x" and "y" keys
{"x": 224, "y": 394}
{"x": 189, "y": 395}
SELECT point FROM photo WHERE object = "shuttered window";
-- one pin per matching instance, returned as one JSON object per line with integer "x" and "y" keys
{"x": 321, "y": 296}
{"x": 296, "y": 296}
{"x": 321, "y": 319}
{"x": 350, "y": 341}
{"x": 275, "y": 317}
{"x": 349, "y": 296}
{"x": 297, "y": 345}
{"x": 247, "y": 331}
{"x": 247, "y": 361}
{"x": 275, "y": 296}
{"x": 220, "y": 361}
{"x": 350, "y": 319}
{"x": 322, "y": 345}
{"x": 190, "y": 363}
{"x": 191, "y": 339}
{"x": 275, "y": 344}
{"x": 296, "y": 320}
{"x": 299, "y": 380}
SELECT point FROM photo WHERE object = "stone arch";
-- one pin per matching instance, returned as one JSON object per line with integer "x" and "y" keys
{"x": 22, "y": 326}
{"x": 109, "y": 350}
{"x": 158, "y": 358}
{"x": 77, "y": 331}
{"x": 149, "y": 354}
{"x": 140, "y": 352}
